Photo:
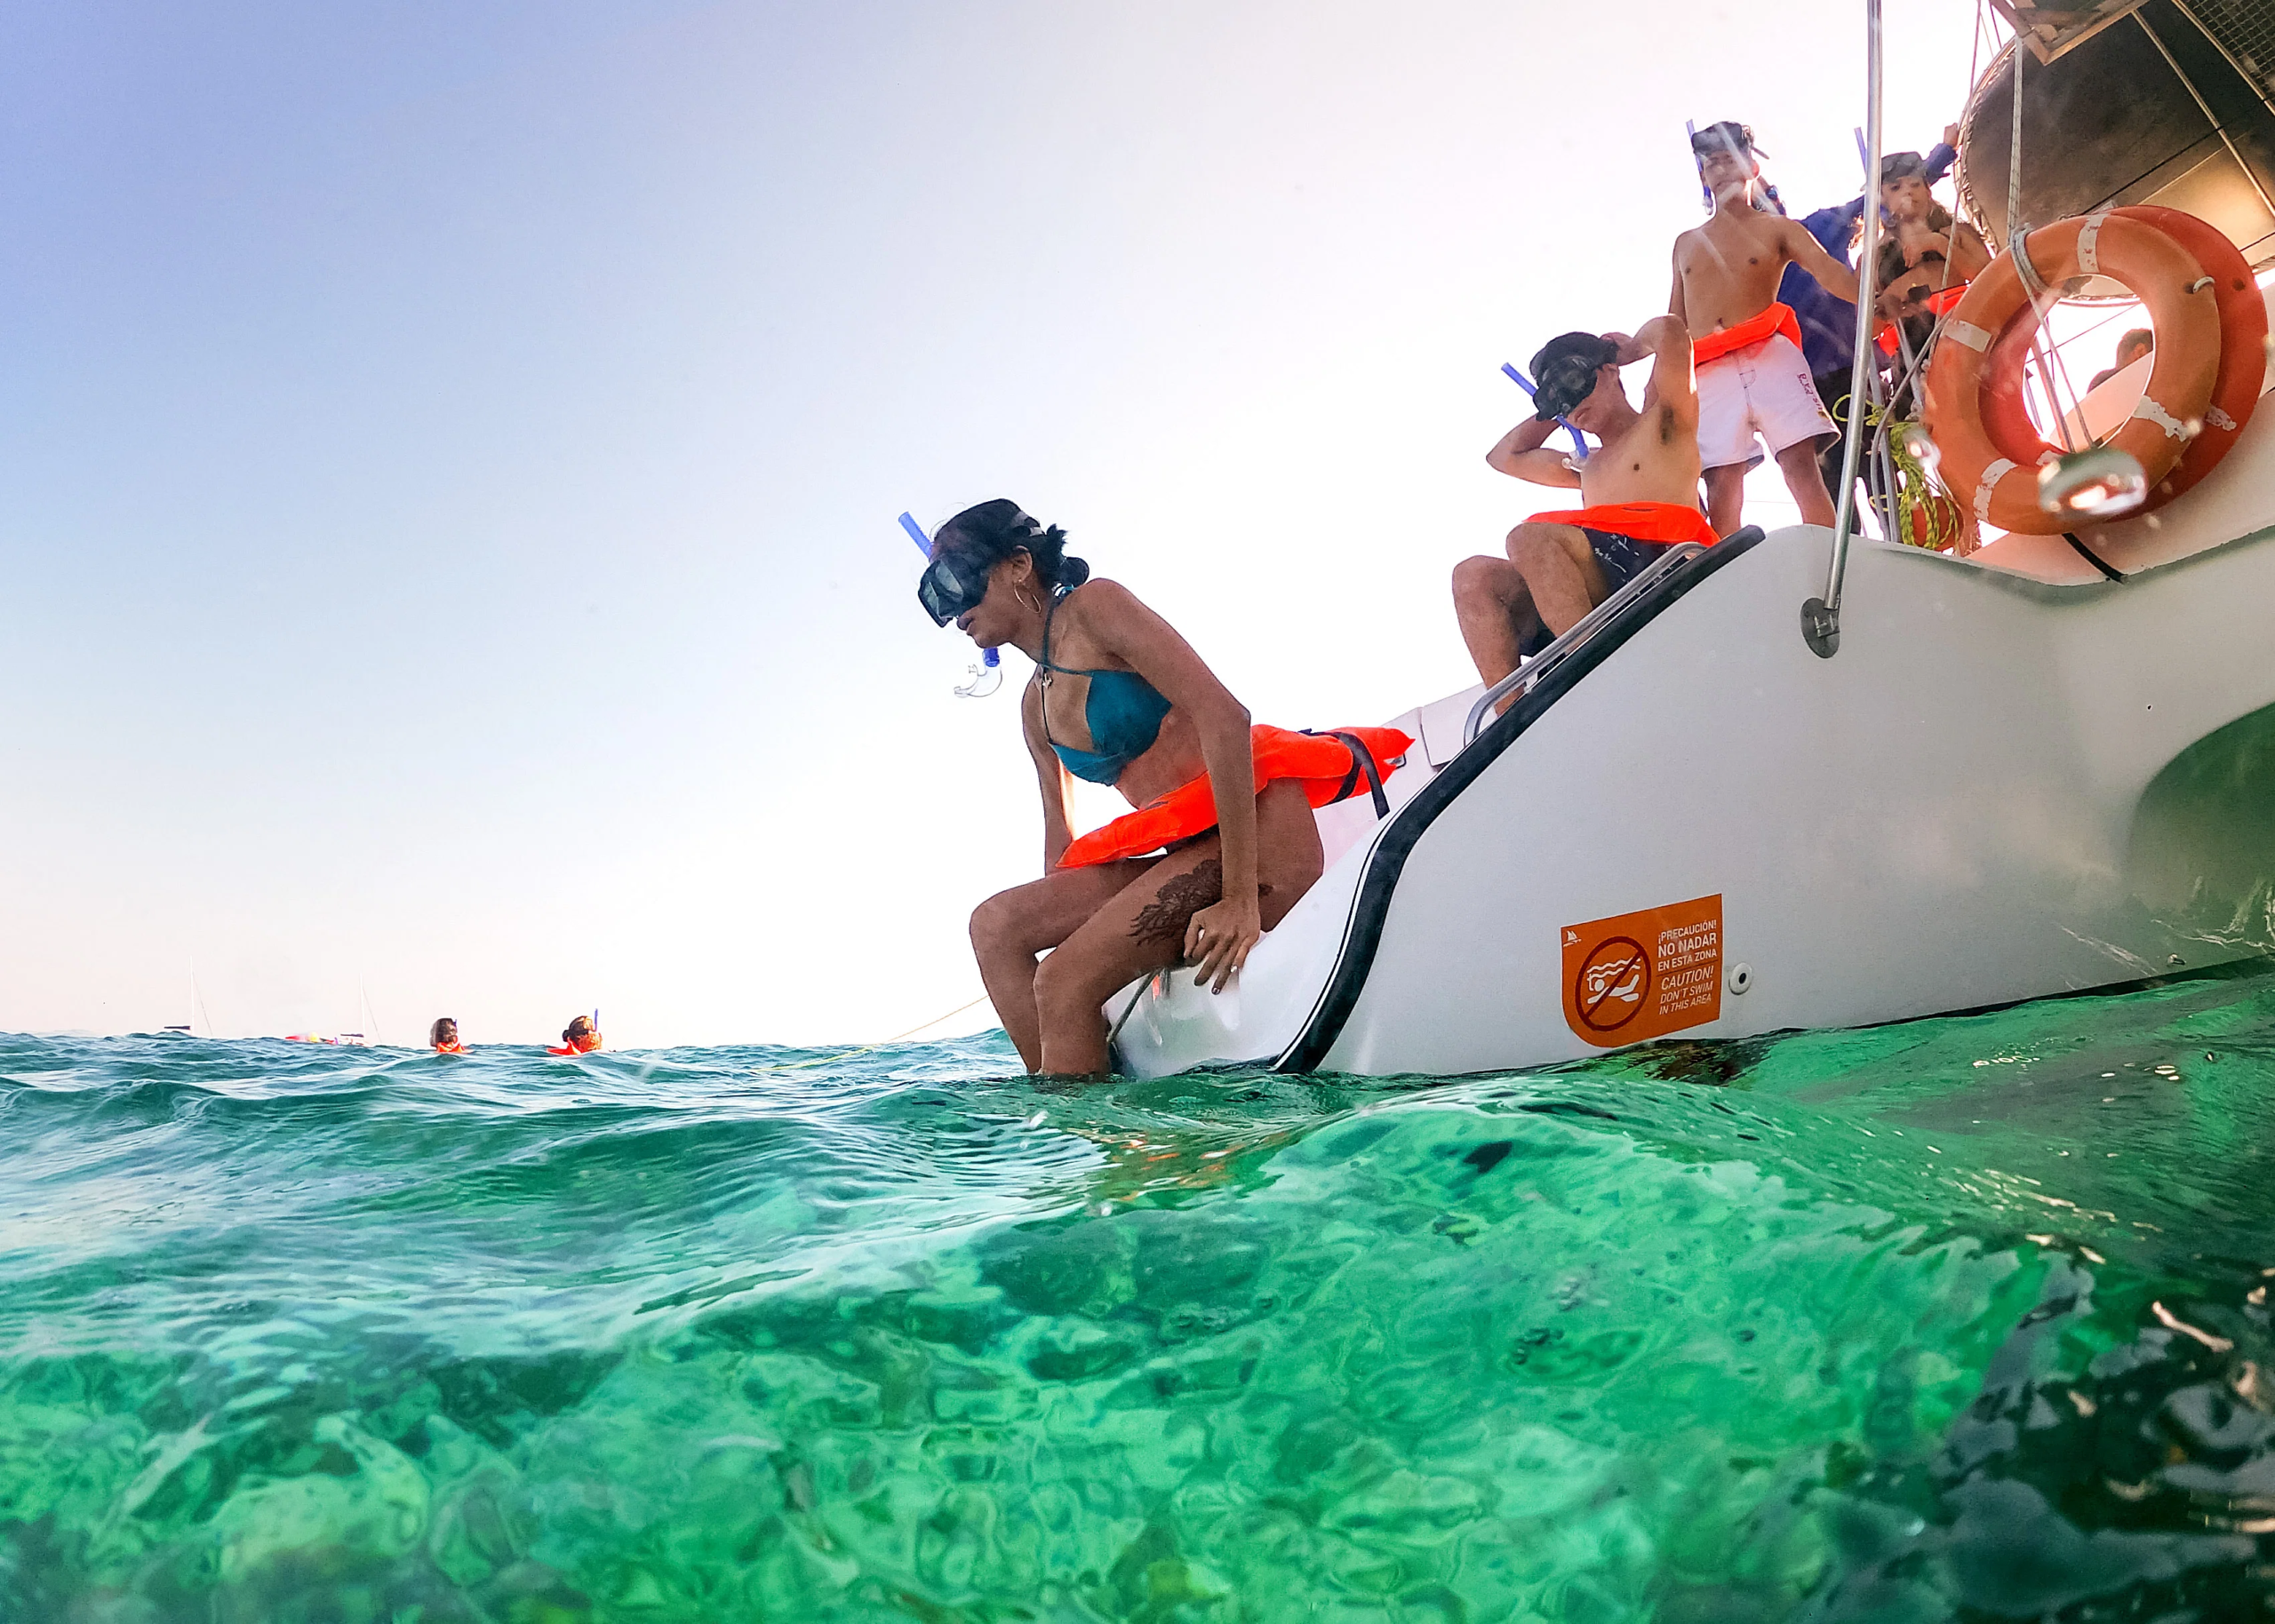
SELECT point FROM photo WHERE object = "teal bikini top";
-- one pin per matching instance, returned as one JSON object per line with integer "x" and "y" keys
{"x": 1123, "y": 713}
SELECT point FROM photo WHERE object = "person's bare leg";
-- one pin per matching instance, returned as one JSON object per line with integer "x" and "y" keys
{"x": 1806, "y": 480}
{"x": 1143, "y": 928}
{"x": 1495, "y": 614}
{"x": 1726, "y": 497}
{"x": 1561, "y": 570}
{"x": 1010, "y": 928}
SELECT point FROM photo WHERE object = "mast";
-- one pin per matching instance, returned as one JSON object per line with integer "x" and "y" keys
{"x": 1821, "y": 617}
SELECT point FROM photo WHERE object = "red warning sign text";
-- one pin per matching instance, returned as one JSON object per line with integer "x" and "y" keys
{"x": 1640, "y": 975}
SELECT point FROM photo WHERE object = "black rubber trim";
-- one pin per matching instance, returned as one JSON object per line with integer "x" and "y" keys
{"x": 1388, "y": 860}
{"x": 2091, "y": 557}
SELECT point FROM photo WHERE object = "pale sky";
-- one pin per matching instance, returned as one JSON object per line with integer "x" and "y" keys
{"x": 450, "y": 453}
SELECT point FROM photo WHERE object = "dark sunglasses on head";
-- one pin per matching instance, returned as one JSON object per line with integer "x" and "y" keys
{"x": 951, "y": 586}
{"x": 1728, "y": 135}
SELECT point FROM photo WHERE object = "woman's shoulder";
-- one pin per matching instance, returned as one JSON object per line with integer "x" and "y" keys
{"x": 1099, "y": 603}
{"x": 1100, "y": 589}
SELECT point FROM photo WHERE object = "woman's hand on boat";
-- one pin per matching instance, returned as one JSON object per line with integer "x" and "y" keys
{"x": 1219, "y": 939}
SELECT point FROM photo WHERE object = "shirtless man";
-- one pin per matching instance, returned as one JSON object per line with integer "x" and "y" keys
{"x": 1752, "y": 377}
{"x": 1641, "y": 486}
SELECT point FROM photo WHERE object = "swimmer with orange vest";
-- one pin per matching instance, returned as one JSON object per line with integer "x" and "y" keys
{"x": 581, "y": 1036}
{"x": 1222, "y": 842}
{"x": 443, "y": 1036}
{"x": 1640, "y": 488}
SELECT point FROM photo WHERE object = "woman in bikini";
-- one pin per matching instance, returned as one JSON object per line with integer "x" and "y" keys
{"x": 1223, "y": 843}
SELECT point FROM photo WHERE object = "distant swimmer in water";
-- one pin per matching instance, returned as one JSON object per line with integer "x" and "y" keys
{"x": 1223, "y": 842}
{"x": 1752, "y": 378}
{"x": 443, "y": 1036}
{"x": 579, "y": 1037}
{"x": 1641, "y": 486}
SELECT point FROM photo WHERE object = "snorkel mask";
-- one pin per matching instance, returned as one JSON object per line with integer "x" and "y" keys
{"x": 1728, "y": 136}
{"x": 948, "y": 588}
{"x": 1566, "y": 369}
{"x": 951, "y": 586}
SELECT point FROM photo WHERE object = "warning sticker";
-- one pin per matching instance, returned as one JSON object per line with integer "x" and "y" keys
{"x": 1644, "y": 974}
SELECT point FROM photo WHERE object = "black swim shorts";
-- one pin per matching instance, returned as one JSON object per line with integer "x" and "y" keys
{"x": 1621, "y": 558}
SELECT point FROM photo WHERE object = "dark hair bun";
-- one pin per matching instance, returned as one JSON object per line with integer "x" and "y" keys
{"x": 996, "y": 529}
{"x": 1051, "y": 563}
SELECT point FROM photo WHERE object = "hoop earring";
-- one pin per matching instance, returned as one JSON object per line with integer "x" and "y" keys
{"x": 1030, "y": 602}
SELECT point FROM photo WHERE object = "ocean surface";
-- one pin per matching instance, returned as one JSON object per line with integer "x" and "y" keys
{"x": 1963, "y": 1318}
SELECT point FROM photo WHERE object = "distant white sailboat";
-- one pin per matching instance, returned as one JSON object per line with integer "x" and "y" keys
{"x": 188, "y": 1029}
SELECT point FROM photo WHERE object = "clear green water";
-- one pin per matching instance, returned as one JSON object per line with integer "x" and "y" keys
{"x": 1962, "y": 1318}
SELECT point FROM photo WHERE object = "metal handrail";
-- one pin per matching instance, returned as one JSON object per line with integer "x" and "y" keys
{"x": 1530, "y": 671}
{"x": 1821, "y": 617}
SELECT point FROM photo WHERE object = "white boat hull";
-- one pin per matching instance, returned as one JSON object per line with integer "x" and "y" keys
{"x": 1999, "y": 789}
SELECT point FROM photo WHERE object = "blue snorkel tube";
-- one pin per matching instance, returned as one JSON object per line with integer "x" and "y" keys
{"x": 1579, "y": 446}
{"x": 985, "y": 677}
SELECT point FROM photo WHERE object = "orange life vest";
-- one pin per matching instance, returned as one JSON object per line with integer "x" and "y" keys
{"x": 1662, "y": 521}
{"x": 584, "y": 1045}
{"x": 1779, "y": 318}
{"x": 449, "y": 1048}
{"x": 1321, "y": 762}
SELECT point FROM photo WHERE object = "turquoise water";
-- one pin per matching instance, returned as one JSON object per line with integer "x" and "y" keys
{"x": 1959, "y": 1319}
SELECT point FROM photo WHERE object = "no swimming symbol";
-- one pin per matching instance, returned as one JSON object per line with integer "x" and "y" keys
{"x": 1614, "y": 981}
{"x": 1640, "y": 975}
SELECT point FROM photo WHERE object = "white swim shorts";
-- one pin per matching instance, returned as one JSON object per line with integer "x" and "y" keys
{"x": 1764, "y": 388}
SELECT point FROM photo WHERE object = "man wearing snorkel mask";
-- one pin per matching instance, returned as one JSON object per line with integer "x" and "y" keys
{"x": 1752, "y": 377}
{"x": 1641, "y": 486}
{"x": 1222, "y": 843}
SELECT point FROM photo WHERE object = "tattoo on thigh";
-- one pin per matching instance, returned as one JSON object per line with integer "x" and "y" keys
{"x": 1162, "y": 920}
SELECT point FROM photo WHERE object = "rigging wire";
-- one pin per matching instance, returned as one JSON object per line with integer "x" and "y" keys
{"x": 1974, "y": 57}
{"x": 2014, "y": 233}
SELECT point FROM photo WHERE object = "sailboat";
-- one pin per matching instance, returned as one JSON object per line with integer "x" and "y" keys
{"x": 1814, "y": 780}
{"x": 195, "y": 1009}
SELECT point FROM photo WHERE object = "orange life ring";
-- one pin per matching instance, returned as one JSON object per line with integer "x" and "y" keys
{"x": 2235, "y": 392}
{"x": 1977, "y": 364}
{"x": 2243, "y": 343}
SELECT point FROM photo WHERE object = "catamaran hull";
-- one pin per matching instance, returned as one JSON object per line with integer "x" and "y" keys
{"x": 1999, "y": 789}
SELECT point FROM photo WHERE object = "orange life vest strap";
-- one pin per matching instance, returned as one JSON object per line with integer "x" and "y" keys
{"x": 1321, "y": 761}
{"x": 1662, "y": 521}
{"x": 449, "y": 1048}
{"x": 1779, "y": 318}
{"x": 1938, "y": 303}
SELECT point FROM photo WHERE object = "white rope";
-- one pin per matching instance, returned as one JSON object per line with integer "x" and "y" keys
{"x": 867, "y": 1048}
